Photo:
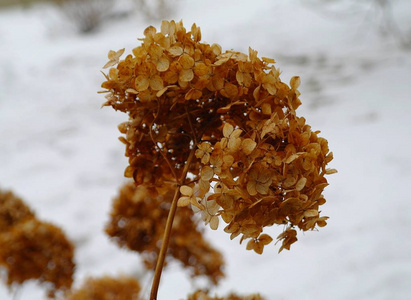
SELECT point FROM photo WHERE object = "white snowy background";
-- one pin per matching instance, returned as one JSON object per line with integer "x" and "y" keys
{"x": 59, "y": 151}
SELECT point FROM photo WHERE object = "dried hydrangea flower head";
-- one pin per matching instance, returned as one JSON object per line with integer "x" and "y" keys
{"x": 138, "y": 221}
{"x": 106, "y": 288}
{"x": 37, "y": 250}
{"x": 30, "y": 249}
{"x": 227, "y": 120}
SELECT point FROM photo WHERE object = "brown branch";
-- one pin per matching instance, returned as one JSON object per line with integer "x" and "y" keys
{"x": 169, "y": 224}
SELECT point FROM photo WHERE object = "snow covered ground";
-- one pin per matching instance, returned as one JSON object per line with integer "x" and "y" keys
{"x": 59, "y": 151}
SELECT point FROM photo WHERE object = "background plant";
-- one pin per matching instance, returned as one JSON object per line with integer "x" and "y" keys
{"x": 32, "y": 249}
{"x": 138, "y": 220}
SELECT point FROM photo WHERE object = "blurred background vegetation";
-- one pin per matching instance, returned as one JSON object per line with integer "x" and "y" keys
{"x": 87, "y": 15}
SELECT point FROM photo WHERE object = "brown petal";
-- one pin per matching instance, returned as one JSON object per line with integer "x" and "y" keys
{"x": 163, "y": 64}
{"x": 156, "y": 83}
{"x": 141, "y": 83}
{"x": 186, "y": 61}
{"x": 186, "y": 75}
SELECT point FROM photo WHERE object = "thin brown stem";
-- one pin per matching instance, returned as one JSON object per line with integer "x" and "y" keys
{"x": 169, "y": 224}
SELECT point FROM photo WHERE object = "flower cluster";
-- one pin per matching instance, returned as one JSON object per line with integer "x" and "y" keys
{"x": 138, "y": 222}
{"x": 227, "y": 120}
{"x": 106, "y": 288}
{"x": 31, "y": 249}
{"x": 12, "y": 211}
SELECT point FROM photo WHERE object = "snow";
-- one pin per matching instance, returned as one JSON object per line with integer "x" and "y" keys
{"x": 59, "y": 151}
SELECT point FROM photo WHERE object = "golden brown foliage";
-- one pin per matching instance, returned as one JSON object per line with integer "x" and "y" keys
{"x": 30, "y": 249}
{"x": 257, "y": 160}
{"x": 138, "y": 221}
{"x": 107, "y": 288}
{"x": 37, "y": 250}
{"x": 203, "y": 295}
{"x": 12, "y": 211}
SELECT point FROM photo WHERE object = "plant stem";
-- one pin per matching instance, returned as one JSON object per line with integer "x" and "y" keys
{"x": 167, "y": 231}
